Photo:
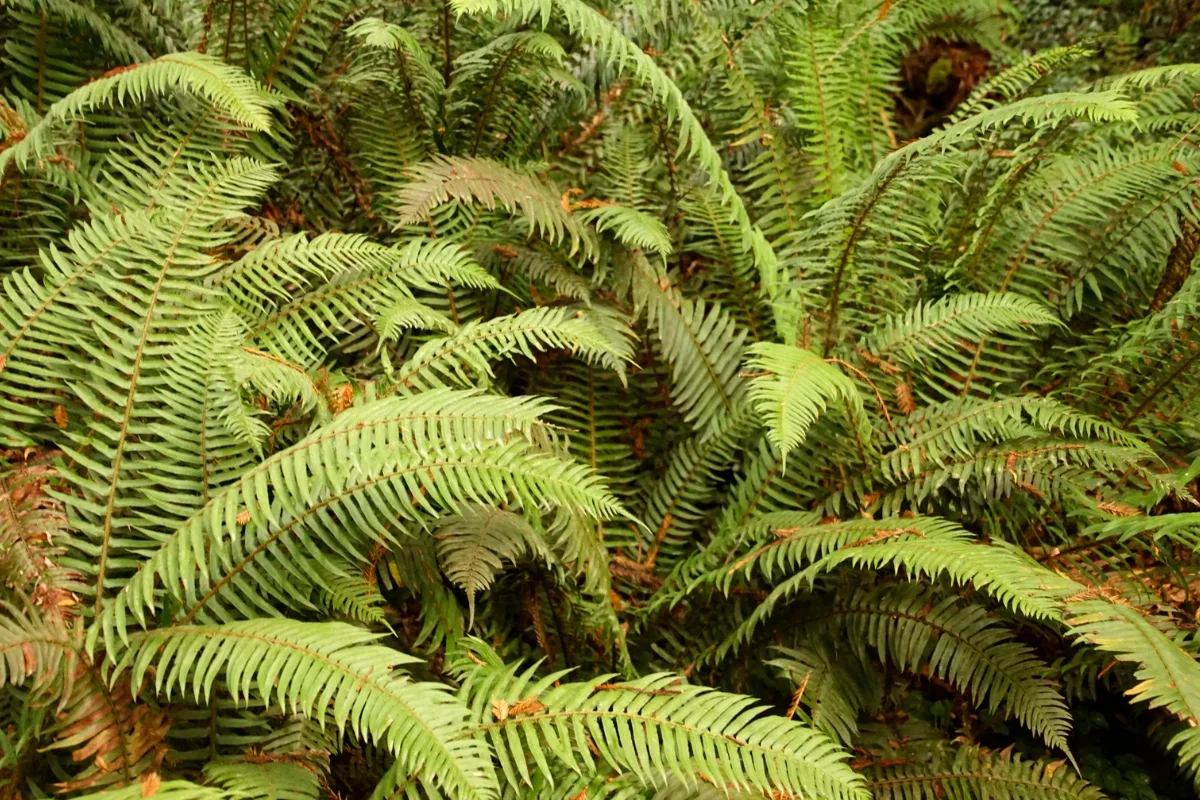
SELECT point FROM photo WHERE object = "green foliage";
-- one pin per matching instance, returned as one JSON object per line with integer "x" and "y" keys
{"x": 770, "y": 455}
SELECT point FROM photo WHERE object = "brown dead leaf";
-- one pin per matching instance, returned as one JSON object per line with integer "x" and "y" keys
{"x": 523, "y": 708}
{"x": 150, "y": 783}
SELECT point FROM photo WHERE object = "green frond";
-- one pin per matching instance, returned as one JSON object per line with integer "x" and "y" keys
{"x": 116, "y": 42}
{"x": 278, "y": 780}
{"x": 931, "y": 328}
{"x": 377, "y": 33}
{"x": 911, "y": 627}
{"x": 921, "y": 548}
{"x": 838, "y": 686}
{"x": 308, "y": 666}
{"x": 474, "y": 545}
{"x": 1010, "y": 83}
{"x": 975, "y": 773}
{"x": 1168, "y": 676}
{"x": 796, "y": 388}
{"x": 631, "y": 227}
{"x": 219, "y": 84}
{"x": 349, "y": 593}
{"x": 540, "y": 266}
{"x": 370, "y": 276}
{"x": 616, "y": 48}
{"x": 488, "y": 183}
{"x": 647, "y": 727}
{"x": 464, "y": 357}
{"x": 732, "y": 274}
{"x": 341, "y": 489}
{"x": 702, "y": 343}
{"x": 942, "y": 432}
{"x": 167, "y": 790}
{"x": 678, "y": 502}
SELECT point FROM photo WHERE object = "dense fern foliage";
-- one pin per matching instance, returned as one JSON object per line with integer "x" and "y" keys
{"x": 500, "y": 399}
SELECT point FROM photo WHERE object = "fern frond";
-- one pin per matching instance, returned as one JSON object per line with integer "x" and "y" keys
{"x": 1016, "y": 80}
{"x": 340, "y": 274}
{"x": 911, "y": 627}
{"x": 630, "y": 226}
{"x": 1168, "y": 676}
{"x": 702, "y": 343}
{"x": 1012, "y": 577}
{"x": 930, "y": 328}
{"x": 273, "y": 780}
{"x": 115, "y": 41}
{"x": 488, "y": 183}
{"x": 225, "y": 87}
{"x": 797, "y": 387}
{"x": 398, "y": 457}
{"x": 834, "y": 687}
{"x": 307, "y": 666}
{"x": 647, "y": 727}
{"x": 464, "y": 358}
{"x": 975, "y": 773}
{"x": 474, "y": 544}
{"x": 166, "y": 790}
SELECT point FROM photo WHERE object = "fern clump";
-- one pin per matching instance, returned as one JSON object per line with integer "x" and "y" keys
{"x": 510, "y": 399}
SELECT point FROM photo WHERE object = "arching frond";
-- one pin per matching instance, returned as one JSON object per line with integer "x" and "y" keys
{"x": 474, "y": 544}
{"x": 795, "y": 387}
{"x": 305, "y": 666}
{"x": 647, "y": 727}
{"x": 442, "y": 179}
{"x": 225, "y": 87}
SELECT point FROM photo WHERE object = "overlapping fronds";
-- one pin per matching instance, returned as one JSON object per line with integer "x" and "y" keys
{"x": 971, "y": 773}
{"x": 702, "y": 343}
{"x": 1167, "y": 675}
{"x": 474, "y": 545}
{"x": 225, "y": 87}
{"x": 488, "y": 183}
{"x": 282, "y": 660}
{"x": 729, "y": 348}
{"x": 464, "y": 357}
{"x": 647, "y": 727}
{"x": 403, "y": 457}
{"x": 911, "y": 628}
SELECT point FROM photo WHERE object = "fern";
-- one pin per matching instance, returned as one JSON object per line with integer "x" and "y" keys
{"x": 224, "y": 87}
{"x": 796, "y": 388}
{"x": 647, "y": 727}
{"x": 674, "y": 342}
{"x": 418, "y": 722}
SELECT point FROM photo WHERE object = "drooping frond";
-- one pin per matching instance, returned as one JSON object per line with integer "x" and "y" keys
{"x": 406, "y": 457}
{"x": 474, "y": 545}
{"x": 306, "y": 666}
{"x": 701, "y": 342}
{"x": 280, "y": 780}
{"x": 647, "y": 727}
{"x": 631, "y": 226}
{"x": 1168, "y": 676}
{"x": 932, "y": 328}
{"x": 464, "y": 357}
{"x": 225, "y": 87}
{"x": 795, "y": 386}
{"x": 488, "y": 183}
{"x": 974, "y": 773}
{"x": 910, "y": 628}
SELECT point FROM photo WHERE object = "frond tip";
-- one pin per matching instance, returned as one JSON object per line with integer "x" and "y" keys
{"x": 792, "y": 387}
